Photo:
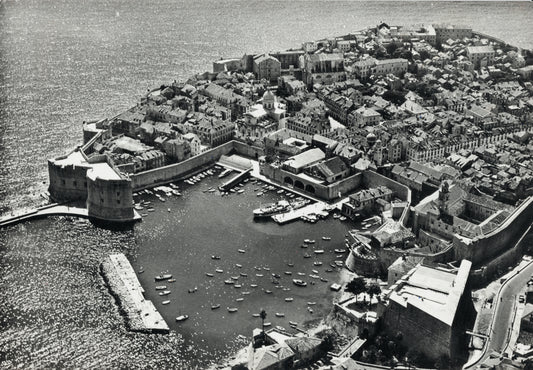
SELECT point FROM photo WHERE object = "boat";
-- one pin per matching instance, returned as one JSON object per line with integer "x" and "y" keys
{"x": 240, "y": 191}
{"x": 288, "y": 272}
{"x": 312, "y": 241}
{"x": 229, "y": 282}
{"x": 324, "y": 280}
{"x": 340, "y": 250}
{"x": 339, "y": 263}
{"x": 311, "y": 303}
{"x": 237, "y": 286}
{"x": 289, "y": 299}
{"x": 292, "y": 323}
{"x": 241, "y": 251}
{"x": 267, "y": 324}
{"x": 232, "y": 309}
{"x": 290, "y": 264}
{"x": 171, "y": 280}
{"x": 163, "y": 277}
{"x": 266, "y": 268}
{"x": 256, "y": 315}
{"x": 299, "y": 282}
{"x": 165, "y": 302}
{"x": 314, "y": 276}
{"x": 268, "y": 291}
{"x": 301, "y": 273}
{"x": 342, "y": 218}
{"x": 215, "y": 257}
{"x": 317, "y": 263}
{"x": 326, "y": 238}
{"x": 234, "y": 278}
{"x": 193, "y": 290}
{"x": 314, "y": 271}
{"x": 253, "y": 285}
{"x": 319, "y": 251}
{"x": 239, "y": 299}
{"x": 209, "y": 274}
{"x": 307, "y": 255}
{"x": 165, "y": 292}
{"x": 238, "y": 265}
{"x": 303, "y": 246}
{"x": 329, "y": 270}
{"x": 215, "y": 306}
{"x": 225, "y": 173}
{"x": 259, "y": 194}
{"x": 280, "y": 314}
{"x": 271, "y": 209}
{"x": 276, "y": 276}
{"x": 182, "y": 318}
{"x": 245, "y": 293}
{"x": 243, "y": 274}
{"x": 161, "y": 287}
{"x": 310, "y": 309}
{"x": 220, "y": 271}
{"x": 259, "y": 275}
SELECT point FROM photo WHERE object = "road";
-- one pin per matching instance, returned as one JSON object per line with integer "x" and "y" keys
{"x": 505, "y": 310}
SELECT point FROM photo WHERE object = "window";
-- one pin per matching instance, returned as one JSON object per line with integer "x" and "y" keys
{"x": 63, "y": 182}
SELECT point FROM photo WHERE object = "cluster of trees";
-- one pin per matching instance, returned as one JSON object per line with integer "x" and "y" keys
{"x": 358, "y": 285}
{"x": 390, "y": 351}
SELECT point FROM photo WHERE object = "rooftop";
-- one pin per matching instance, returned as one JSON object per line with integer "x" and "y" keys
{"x": 433, "y": 291}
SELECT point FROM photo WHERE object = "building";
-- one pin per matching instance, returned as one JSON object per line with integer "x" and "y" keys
{"x": 323, "y": 68}
{"x": 261, "y": 119}
{"x": 329, "y": 171}
{"x": 194, "y": 143}
{"x": 297, "y": 163}
{"x": 177, "y": 149}
{"x": 266, "y": 67}
{"x": 432, "y": 308}
{"x": 214, "y": 132}
{"x": 481, "y": 56}
{"x": 364, "y": 117}
{"x": 365, "y": 200}
{"x": 227, "y": 65}
{"x": 445, "y": 32}
{"x": 396, "y": 66}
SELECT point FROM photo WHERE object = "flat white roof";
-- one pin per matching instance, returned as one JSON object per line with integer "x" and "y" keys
{"x": 102, "y": 171}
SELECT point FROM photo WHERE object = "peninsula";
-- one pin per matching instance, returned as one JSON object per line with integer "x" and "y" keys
{"x": 423, "y": 132}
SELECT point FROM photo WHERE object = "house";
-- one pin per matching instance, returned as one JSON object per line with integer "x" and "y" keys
{"x": 194, "y": 143}
{"x": 481, "y": 56}
{"x": 365, "y": 200}
{"x": 323, "y": 68}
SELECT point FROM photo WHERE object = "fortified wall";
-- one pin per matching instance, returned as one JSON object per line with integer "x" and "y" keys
{"x": 482, "y": 249}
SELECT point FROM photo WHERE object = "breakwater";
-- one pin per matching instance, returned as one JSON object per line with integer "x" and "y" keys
{"x": 141, "y": 314}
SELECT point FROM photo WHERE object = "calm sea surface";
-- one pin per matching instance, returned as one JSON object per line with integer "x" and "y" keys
{"x": 62, "y": 62}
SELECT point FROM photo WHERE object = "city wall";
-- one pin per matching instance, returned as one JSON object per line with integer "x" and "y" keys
{"x": 483, "y": 249}
{"x": 185, "y": 168}
{"x": 373, "y": 179}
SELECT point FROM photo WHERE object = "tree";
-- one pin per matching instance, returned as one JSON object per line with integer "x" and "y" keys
{"x": 356, "y": 286}
{"x": 373, "y": 290}
{"x": 263, "y": 316}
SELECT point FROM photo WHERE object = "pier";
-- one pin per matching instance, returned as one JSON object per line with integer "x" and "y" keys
{"x": 54, "y": 209}
{"x": 141, "y": 314}
{"x": 235, "y": 180}
{"x": 318, "y": 208}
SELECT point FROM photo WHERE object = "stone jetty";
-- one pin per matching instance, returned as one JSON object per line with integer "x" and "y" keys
{"x": 141, "y": 314}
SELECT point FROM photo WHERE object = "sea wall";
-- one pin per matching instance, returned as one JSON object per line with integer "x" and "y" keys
{"x": 140, "y": 314}
{"x": 161, "y": 175}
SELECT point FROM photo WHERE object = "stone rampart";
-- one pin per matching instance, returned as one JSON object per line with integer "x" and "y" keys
{"x": 110, "y": 200}
{"x": 67, "y": 183}
{"x": 373, "y": 179}
{"x": 483, "y": 249}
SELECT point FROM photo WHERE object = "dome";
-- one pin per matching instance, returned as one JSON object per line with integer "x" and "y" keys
{"x": 268, "y": 100}
{"x": 371, "y": 139}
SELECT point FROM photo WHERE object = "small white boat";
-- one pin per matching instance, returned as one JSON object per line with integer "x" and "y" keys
{"x": 182, "y": 318}
{"x": 166, "y": 292}
{"x": 326, "y": 238}
{"x": 241, "y": 251}
{"x": 232, "y": 309}
{"x": 267, "y": 324}
{"x": 256, "y": 315}
{"x": 237, "y": 286}
{"x": 289, "y": 299}
{"x": 161, "y": 287}
{"x": 280, "y": 314}
{"x": 292, "y": 323}
{"x": 268, "y": 291}
{"x": 165, "y": 302}
{"x": 253, "y": 285}
{"x": 239, "y": 299}
{"x": 220, "y": 271}
{"x": 229, "y": 282}
{"x": 319, "y": 251}
{"x": 238, "y": 265}
{"x": 215, "y": 306}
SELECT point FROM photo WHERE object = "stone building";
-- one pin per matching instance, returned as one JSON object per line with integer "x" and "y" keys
{"x": 266, "y": 67}
{"x": 481, "y": 56}
{"x": 432, "y": 308}
{"x": 323, "y": 68}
